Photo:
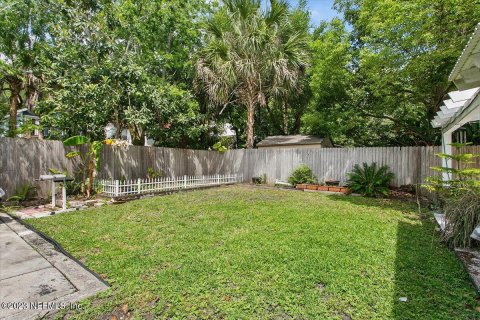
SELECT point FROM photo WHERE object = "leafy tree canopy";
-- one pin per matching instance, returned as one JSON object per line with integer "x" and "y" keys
{"x": 388, "y": 79}
{"x": 177, "y": 71}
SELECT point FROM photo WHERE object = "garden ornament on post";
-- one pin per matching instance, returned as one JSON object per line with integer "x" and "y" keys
{"x": 57, "y": 178}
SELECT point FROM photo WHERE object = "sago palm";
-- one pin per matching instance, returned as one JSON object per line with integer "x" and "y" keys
{"x": 251, "y": 55}
{"x": 370, "y": 180}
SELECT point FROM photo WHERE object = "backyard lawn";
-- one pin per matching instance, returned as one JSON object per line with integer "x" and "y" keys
{"x": 240, "y": 252}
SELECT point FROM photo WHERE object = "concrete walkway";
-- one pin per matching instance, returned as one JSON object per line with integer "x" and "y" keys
{"x": 35, "y": 278}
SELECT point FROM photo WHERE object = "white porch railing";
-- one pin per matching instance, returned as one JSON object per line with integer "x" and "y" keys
{"x": 115, "y": 188}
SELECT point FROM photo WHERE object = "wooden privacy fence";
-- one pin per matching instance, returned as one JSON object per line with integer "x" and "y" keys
{"x": 23, "y": 160}
{"x": 116, "y": 188}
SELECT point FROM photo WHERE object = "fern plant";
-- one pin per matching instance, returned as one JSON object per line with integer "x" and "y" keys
{"x": 22, "y": 193}
{"x": 370, "y": 180}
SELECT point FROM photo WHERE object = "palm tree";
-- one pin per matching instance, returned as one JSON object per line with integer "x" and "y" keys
{"x": 251, "y": 55}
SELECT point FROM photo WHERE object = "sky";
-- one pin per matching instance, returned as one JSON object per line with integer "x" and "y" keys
{"x": 319, "y": 10}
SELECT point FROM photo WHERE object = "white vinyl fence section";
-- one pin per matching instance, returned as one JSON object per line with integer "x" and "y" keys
{"x": 116, "y": 188}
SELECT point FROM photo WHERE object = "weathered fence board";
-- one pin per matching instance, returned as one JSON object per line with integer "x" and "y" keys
{"x": 23, "y": 160}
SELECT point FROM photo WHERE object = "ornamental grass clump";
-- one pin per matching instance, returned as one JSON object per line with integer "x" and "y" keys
{"x": 303, "y": 174}
{"x": 370, "y": 180}
{"x": 462, "y": 217}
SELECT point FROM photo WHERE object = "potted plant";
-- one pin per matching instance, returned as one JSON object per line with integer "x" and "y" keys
{"x": 303, "y": 178}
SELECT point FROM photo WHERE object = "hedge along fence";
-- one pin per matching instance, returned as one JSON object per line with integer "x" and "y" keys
{"x": 23, "y": 160}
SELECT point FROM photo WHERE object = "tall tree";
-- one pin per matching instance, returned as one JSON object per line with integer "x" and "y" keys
{"x": 402, "y": 53}
{"x": 127, "y": 63}
{"x": 23, "y": 27}
{"x": 250, "y": 56}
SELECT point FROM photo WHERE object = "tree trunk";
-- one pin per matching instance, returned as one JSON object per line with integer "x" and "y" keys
{"x": 31, "y": 92}
{"x": 250, "y": 121}
{"x": 15, "y": 88}
{"x": 138, "y": 140}
{"x": 91, "y": 168}
{"x": 137, "y": 134}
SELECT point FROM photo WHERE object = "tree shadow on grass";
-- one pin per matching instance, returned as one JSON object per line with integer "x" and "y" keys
{"x": 426, "y": 272}
{"x": 384, "y": 203}
{"x": 429, "y": 275}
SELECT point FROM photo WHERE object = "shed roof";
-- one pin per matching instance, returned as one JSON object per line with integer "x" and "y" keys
{"x": 290, "y": 140}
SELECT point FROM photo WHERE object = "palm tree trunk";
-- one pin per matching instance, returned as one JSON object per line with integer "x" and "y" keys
{"x": 250, "y": 121}
{"x": 285, "y": 118}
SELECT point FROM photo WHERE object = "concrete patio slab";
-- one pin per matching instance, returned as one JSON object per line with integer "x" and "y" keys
{"x": 17, "y": 257}
{"x": 36, "y": 277}
{"x": 45, "y": 285}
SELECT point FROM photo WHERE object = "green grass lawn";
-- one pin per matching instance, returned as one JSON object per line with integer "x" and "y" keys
{"x": 240, "y": 252}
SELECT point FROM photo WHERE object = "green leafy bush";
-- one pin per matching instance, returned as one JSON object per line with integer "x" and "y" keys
{"x": 219, "y": 147}
{"x": 458, "y": 198}
{"x": 370, "y": 180}
{"x": 152, "y": 174}
{"x": 303, "y": 174}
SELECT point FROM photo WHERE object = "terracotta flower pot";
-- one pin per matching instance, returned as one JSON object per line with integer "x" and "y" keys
{"x": 301, "y": 186}
{"x": 334, "y": 189}
{"x": 322, "y": 188}
{"x": 311, "y": 187}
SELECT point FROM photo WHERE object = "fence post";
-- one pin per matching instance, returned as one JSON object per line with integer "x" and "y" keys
{"x": 185, "y": 181}
{"x": 117, "y": 188}
{"x": 139, "y": 185}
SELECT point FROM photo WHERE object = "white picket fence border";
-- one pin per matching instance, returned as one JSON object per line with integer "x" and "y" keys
{"x": 116, "y": 188}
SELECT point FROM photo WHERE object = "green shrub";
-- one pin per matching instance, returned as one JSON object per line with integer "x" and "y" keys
{"x": 303, "y": 174}
{"x": 370, "y": 180}
{"x": 152, "y": 174}
{"x": 458, "y": 198}
{"x": 23, "y": 193}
